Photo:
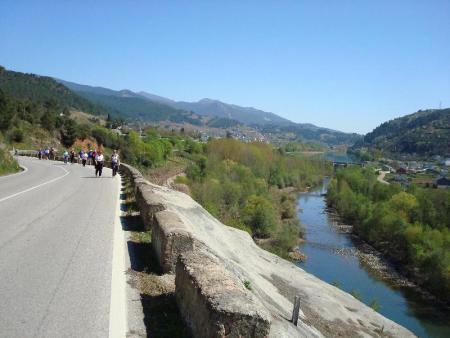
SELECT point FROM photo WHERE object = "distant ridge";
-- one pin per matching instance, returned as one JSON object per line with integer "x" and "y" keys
{"x": 210, "y": 107}
{"x": 426, "y": 132}
{"x": 150, "y": 107}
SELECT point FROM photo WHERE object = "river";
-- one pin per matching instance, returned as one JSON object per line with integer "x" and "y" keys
{"x": 324, "y": 241}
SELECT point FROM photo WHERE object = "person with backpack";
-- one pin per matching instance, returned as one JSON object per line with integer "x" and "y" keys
{"x": 99, "y": 161}
{"x": 66, "y": 156}
{"x": 115, "y": 163}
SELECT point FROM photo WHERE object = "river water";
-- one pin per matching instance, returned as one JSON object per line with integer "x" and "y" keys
{"x": 401, "y": 304}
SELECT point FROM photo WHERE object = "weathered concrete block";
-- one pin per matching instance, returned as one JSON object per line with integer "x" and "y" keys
{"x": 213, "y": 302}
{"x": 170, "y": 238}
{"x": 149, "y": 203}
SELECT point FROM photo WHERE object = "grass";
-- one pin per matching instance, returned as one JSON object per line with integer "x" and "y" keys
{"x": 375, "y": 305}
{"x": 8, "y": 164}
{"x": 356, "y": 294}
{"x": 248, "y": 285}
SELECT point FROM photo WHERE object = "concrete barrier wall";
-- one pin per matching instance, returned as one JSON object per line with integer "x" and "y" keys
{"x": 212, "y": 302}
{"x": 169, "y": 234}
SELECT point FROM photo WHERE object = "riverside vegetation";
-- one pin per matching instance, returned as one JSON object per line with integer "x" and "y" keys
{"x": 411, "y": 227}
{"x": 249, "y": 186}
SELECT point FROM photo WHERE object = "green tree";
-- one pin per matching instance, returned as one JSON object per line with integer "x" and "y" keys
{"x": 260, "y": 215}
{"x": 68, "y": 132}
{"x": 48, "y": 121}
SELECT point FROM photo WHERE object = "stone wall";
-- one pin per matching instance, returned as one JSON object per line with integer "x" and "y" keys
{"x": 213, "y": 302}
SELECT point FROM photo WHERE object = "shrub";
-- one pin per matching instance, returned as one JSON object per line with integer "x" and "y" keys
{"x": 16, "y": 135}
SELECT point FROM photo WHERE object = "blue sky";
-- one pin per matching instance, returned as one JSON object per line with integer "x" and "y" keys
{"x": 346, "y": 65}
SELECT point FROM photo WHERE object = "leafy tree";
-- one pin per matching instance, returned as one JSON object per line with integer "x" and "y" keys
{"x": 259, "y": 214}
{"x": 48, "y": 121}
{"x": 68, "y": 133}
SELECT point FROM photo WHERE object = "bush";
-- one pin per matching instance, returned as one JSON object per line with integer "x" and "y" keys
{"x": 259, "y": 214}
{"x": 8, "y": 164}
{"x": 16, "y": 135}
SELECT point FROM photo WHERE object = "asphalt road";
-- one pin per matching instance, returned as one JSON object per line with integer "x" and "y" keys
{"x": 56, "y": 249}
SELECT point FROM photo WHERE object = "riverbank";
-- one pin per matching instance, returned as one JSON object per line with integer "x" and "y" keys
{"x": 379, "y": 263}
{"x": 338, "y": 257}
{"x": 408, "y": 226}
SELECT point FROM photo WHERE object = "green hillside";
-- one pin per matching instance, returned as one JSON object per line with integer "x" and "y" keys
{"x": 133, "y": 107}
{"x": 423, "y": 133}
{"x": 42, "y": 92}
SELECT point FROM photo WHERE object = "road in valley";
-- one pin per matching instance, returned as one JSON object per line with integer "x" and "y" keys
{"x": 56, "y": 251}
{"x": 381, "y": 176}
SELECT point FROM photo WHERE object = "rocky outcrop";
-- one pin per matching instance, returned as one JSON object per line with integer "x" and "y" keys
{"x": 214, "y": 263}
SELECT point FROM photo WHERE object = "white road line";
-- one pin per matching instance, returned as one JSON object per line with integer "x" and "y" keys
{"x": 36, "y": 186}
{"x": 118, "y": 305}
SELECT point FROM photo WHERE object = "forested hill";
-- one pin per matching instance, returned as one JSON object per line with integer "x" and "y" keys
{"x": 43, "y": 91}
{"x": 423, "y": 133}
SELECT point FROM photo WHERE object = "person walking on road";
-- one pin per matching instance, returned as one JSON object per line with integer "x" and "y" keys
{"x": 90, "y": 159}
{"x": 115, "y": 163}
{"x": 66, "y": 156}
{"x": 99, "y": 160}
{"x": 84, "y": 157}
{"x": 94, "y": 156}
{"x": 72, "y": 156}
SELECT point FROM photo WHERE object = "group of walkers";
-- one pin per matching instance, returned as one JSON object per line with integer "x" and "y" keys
{"x": 91, "y": 157}
{"x": 46, "y": 154}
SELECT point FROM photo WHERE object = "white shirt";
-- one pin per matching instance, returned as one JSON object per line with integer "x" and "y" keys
{"x": 99, "y": 158}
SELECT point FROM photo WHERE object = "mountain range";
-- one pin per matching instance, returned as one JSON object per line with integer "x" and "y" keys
{"x": 149, "y": 107}
{"x": 208, "y": 107}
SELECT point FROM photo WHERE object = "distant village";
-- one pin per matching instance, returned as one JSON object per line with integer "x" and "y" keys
{"x": 431, "y": 173}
